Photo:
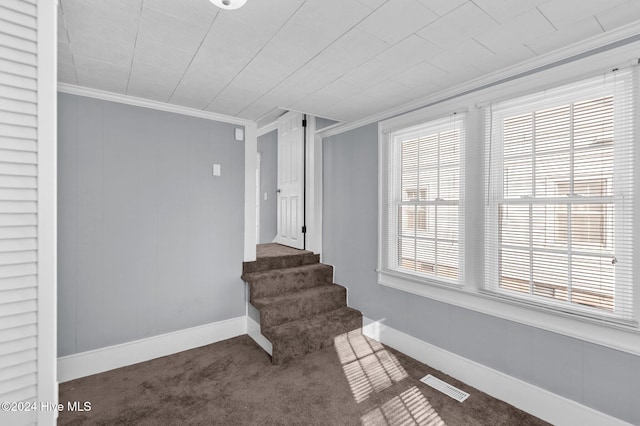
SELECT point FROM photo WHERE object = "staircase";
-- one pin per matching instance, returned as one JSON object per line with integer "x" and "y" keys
{"x": 301, "y": 310}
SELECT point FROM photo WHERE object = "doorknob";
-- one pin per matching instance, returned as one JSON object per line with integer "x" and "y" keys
{"x": 278, "y": 190}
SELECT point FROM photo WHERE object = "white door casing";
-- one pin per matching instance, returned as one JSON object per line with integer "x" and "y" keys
{"x": 258, "y": 198}
{"x": 290, "y": 210}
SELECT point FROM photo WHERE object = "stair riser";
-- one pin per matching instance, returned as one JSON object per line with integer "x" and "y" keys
{"x": 287, "y": 350}
{"x": 303, "y": 307}
{"x": 281, "y": 282}
{"x": 280, "y": 262}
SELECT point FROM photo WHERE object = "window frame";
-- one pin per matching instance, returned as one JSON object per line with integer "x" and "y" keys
{"x": 390, "y": 159}
{"x": 470, "y": 294}
{"x": 534, "y": 103}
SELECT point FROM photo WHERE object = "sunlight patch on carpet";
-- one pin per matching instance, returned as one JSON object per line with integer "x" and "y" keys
{"x": 368, "y": 366}
{"x": 409, "y": 408}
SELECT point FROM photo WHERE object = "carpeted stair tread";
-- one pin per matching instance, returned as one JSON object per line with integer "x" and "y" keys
{"x": 296, "y": 338}
{"x": 300, "y": 304}
{"x": 279, "y": 262}
{"x": 299, "y": 307}
{"x": 279, "y": 281}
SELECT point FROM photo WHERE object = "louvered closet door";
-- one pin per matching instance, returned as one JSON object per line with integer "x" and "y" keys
{"x": 18, "y": 192}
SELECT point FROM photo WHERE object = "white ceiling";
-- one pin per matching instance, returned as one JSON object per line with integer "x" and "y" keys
{"x": 340, "y": 59}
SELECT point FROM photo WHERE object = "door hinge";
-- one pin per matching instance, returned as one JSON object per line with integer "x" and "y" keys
{"x": 304, "y": 229}
{"x": 304, "y": 122}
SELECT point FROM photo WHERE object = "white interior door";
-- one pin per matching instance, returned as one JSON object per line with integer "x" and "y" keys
{"x": 290, "y": 180}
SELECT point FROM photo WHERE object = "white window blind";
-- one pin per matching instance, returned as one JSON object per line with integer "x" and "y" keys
{"x": 423, "y": 193}
{"x": 559, "y": 175}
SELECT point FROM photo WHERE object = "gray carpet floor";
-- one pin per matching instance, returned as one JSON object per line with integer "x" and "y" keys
{"x": 356, "y": 382}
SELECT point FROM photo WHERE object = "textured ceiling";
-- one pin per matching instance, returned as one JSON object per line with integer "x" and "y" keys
{"x": 340, "y": 59}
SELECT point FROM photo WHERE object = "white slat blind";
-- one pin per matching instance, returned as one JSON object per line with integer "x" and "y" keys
{"x": 558, "y": 225}
{"x": 424, "y": 218}
{"x": 18, "y": 203}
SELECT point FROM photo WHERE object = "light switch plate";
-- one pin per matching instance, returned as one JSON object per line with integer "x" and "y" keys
{"x": 239, "y": 134}
{"x": 216, "y": 169}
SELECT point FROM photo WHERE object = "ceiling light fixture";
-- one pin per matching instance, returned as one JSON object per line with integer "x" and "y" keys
{"x": 229, "y": 4}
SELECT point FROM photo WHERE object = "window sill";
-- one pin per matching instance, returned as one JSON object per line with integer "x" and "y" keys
{"x": 615, "y": 336}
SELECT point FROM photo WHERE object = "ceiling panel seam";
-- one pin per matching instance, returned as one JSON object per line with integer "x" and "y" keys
{"x": 73, "y": 58}
{"x": 545, "y": 17}
{"x": 485, "y": 46}
{"x": 257, "y": 53}
{"x": 135, "y": 42}
{"x": 194, "y": 55}
{"x": 312, "y": 58}
{"x": 599, "y": 24}
{"x": 341, "y": 36}
{"x": 479, "y": 7}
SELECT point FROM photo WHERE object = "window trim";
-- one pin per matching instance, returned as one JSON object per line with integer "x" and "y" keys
{"x": 613, "y": 335}
{"x": 469, "y": 295}
{"x": 559, "y": 95}
{"x": 399, "y": 124}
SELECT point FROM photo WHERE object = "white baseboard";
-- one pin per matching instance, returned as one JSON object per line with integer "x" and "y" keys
{"x": 541, "y": 403}
{"x": 253, "y": 330}
{"x": 104, "y": 359}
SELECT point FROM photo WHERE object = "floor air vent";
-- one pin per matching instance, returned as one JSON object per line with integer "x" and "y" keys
{"x": 445, "y": 388}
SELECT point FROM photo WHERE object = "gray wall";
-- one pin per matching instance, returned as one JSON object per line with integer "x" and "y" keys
{"x": 604, "y": 379}
{"x": 149, "y": 241}
{"x": 268, "y": 149}
{"x": 321, "y": 123}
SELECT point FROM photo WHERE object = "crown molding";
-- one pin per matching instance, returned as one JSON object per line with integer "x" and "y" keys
{"x": 274, "y": 124}
{"x": 589, "y": 47}
{"x": 268, "y": 128}
{"x": 147, "y": 103}
{"x": 328, "y": 128}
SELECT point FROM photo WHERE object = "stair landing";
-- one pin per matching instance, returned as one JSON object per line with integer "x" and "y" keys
{"x": 275, "y": 250}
